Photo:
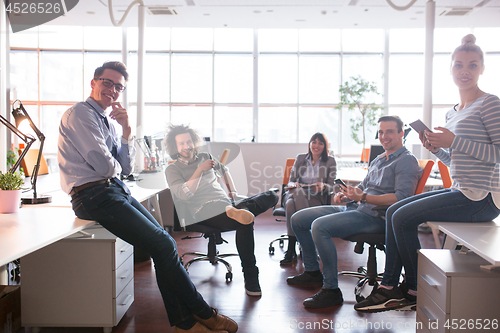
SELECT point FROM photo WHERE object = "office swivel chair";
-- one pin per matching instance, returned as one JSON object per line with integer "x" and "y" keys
{"x": 280, "y": 211}
{"x": 368, "y": 274}
{"x": 184, "y": 222}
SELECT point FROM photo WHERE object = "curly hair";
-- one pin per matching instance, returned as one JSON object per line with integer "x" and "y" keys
{"x": 169, "y": 140}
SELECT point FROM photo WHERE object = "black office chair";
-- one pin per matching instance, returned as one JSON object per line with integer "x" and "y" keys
{"x": 366, "y": 274}
{"x": 214, "y": 238}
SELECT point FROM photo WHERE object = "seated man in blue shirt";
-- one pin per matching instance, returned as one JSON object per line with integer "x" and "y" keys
{"x": 91, "y": 157}
{"x": 392, "y": 176}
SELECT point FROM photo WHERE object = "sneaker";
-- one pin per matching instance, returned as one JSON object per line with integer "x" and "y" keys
{"x": 290, "y": 258}
{"x": 412, "y": 300}
{"x": 324, "y": 298}
{"x": 242, "y": 216}
{"x": 305, "y": 279}
{"x": 382, "y": 299}
{"x": 252, "y": 286}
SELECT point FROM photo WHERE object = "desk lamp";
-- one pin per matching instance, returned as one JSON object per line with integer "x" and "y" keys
{"x": 20, "y": 114}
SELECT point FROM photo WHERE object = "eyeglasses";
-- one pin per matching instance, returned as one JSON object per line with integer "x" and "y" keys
{"x": 109, "y": 84}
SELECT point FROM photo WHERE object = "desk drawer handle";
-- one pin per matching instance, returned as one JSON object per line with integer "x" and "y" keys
{"x": 429, "y": 281}
{"x": 125, "y": 248}
{"x": 125, "y": 302}
{"x": 429, "y": 316}
{"x": 125, "y": 275}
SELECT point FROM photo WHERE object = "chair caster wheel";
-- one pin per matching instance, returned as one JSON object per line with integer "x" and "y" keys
{"x": 282, "y": 243}
{"x": 229, "y": 276}
{"x": 271, "y": 249}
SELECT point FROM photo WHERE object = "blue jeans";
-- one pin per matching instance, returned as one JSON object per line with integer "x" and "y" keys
{"x": 403, "y": 218}
{"x": 317, "y": 225}
{"x": 126, "y": 218}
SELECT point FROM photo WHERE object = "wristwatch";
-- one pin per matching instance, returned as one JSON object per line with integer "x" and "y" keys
{"x": 363, "y": 197}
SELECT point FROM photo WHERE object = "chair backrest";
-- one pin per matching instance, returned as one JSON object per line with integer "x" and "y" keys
{"x": 364, "y": 155}
{"x": 444, "y": 171}
{"x": 426, "y": 165}
{"x": 29, "y": 162}
{"x": 288, "y": 170}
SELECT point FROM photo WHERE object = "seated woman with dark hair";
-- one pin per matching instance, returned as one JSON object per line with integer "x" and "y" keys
{"x": 311, "y": 179}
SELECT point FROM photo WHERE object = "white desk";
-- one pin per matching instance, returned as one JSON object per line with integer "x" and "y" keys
{"x": 483, "y": 238}
{"x": 36, "y": 226}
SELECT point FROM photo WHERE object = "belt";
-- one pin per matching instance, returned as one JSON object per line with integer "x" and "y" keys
{"x": 77, "y": 189}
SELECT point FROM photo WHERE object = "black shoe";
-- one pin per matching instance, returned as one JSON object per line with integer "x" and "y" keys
{"x": 252, "y": 286}
{"x": 305, "y": 279}
{"x": 382, "y": 299}
{"x": 290, "y": 258}
{"x": 411, "y": 300}
{"x": 324, "y": 298}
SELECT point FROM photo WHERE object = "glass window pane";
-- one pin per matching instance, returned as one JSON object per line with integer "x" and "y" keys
{"x": 444, "y": 91}
{"x": 278, "y": 40}
{"x": 240, "y": 40}
{"x": 348, "y": 146}
{"x": 369, "y": 67}
{"x": 23, "y": 75}
{"x": 157, "y": 39}
{"x": 320, "y": 119}
{"x": 363, "y": 40}
{"x": 61, "y": 37}
{"x": 156, "y": 80}
{"x": 192, "y": 78}
{"x": 93, "y": 38}
{"x": 406, "y": 79}
{"x": 487, "y": 39}
{"x": 233, "y": 78}
{"x": 319, "y": 78}
{"x": 51, "y": 117}
{"x": 406, "y": 40}
{"x": 188, "y": 39}
{"x": 488, "y": 82}
{"x": 277, "y": 124}
{"x": 319, "y": 40}
{"x": 278, "y": 78}
{"x": 26, "y": 38}
{"x": 61, "y": 76}
{"x": 155, "y": 120}
{"x": 233, "y": 124}
{"x": 198, "y": 118}
{"x": 92, "y": 60}
{"x": 448, "y": 39}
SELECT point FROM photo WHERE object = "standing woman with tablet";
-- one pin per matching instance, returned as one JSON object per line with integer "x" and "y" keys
{"x": 469, "y": 144}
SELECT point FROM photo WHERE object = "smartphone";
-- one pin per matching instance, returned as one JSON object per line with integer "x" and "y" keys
{"x": 340, "y": 182}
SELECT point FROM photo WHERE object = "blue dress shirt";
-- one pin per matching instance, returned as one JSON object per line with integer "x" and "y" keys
{"x": 88, "y": 150}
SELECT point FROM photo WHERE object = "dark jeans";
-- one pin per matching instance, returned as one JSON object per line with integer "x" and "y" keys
{"x": 126, "y": 218}
{"x": 245, "y": 243}
{"x": 404, "y": 217}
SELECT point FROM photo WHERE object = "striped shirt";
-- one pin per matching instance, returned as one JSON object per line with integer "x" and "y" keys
{"x": 474, "y": 154}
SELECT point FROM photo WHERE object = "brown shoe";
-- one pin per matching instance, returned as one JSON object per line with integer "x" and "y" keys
{"x": 198, "y": 328}
{"x": 218, "y": 322}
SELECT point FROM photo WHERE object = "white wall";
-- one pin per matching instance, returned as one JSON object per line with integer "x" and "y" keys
{"x": 257, "y": 166}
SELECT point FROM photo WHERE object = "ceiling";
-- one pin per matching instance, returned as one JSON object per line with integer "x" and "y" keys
{"x": 289, "y": 13}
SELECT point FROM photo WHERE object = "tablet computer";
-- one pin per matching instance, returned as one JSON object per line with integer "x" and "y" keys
{"x": 419, "y": 126}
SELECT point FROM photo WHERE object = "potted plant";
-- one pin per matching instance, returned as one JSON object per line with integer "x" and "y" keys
{"x": 355, "y": 94}
{"x": 10, "y": 191}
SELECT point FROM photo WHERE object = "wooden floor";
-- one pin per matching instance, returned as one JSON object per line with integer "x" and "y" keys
{"x": 279, "y": 309}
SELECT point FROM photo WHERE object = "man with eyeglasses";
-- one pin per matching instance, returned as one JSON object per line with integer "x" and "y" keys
{"x": 91, "y": 157}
